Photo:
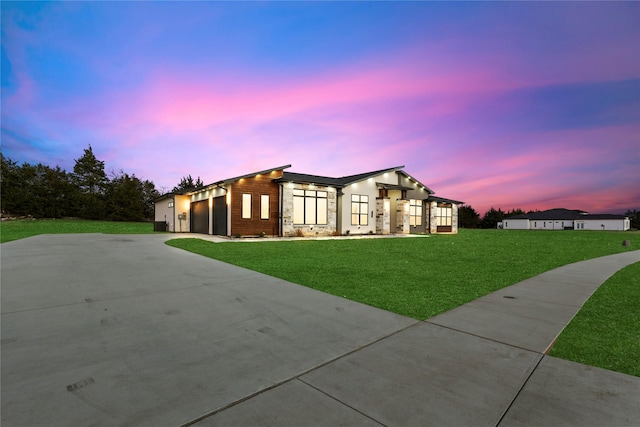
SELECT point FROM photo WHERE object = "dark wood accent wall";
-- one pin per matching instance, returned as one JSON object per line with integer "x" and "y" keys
{"x": 256, "y": 186}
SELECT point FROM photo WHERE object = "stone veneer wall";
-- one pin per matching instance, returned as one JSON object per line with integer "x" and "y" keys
{"x": 289, "y": 229}
{"x": 383, "y": 216}
{"x": 432, "y": 217}
{"x": 454, "y": 218}
{"x": 402, "y": 216}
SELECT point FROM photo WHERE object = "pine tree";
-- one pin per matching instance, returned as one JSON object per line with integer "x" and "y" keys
{"x": 91, "y": 180}
{"x": 186, "y": 183}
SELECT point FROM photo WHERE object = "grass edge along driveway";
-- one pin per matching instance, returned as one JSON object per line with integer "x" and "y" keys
{"x": 417, "y": 277}
{"x": 23, "y": 228}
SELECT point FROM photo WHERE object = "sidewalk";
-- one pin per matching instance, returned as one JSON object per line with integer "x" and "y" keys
{"x": 481, "y": 364}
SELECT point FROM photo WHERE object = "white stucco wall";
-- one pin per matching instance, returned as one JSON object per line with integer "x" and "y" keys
{"x": 515, "y": 224}
{"x": 182, "y": 205}
{"x": 367, "y": 187}
{"x": 603, "y": 224}
{"x": 164, "y": 212}
{"x": 549, "y": 224}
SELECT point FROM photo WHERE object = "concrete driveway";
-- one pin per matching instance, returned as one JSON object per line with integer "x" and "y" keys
{"x": 123, "y": 330}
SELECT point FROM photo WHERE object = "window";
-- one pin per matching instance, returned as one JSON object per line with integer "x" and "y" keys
{"x": 171, "y": 204}
{"x": 443, "y": 215}
{"x": 359, "y": 209}
{"x": 246, "y": 206}
{"x": 415, "y": 212}
{"x": 264, "y": 206}
{"x": 309, "y": 207}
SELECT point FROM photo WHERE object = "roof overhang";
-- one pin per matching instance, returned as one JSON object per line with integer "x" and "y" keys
{"x": 412, "y": 179}
{"x": 249, "y": 175}
{"x": 221, "y": 184}
{"x": 386, "y": 186}
{"x": 444, "y": 200}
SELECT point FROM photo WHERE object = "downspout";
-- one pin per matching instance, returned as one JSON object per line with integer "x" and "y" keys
{"x": 227, "y": 209}
{"x": 280, "y": 207}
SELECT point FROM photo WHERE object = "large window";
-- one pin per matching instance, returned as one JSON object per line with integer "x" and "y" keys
{"x": 264, "y": 206}
{"x": 359, "y": 209}
{"x": 246, "y": 206}
{"x": 443, "y": 215}
{"x": 415, "y": 212}
{"x": 309, "y": 207}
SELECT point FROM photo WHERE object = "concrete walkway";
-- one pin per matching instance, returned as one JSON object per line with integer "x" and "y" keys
{"x": 124, "y": 330}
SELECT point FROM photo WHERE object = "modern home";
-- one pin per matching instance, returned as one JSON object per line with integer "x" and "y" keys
{"x": 565, "y": 219}
{"x": 275, "y": 202}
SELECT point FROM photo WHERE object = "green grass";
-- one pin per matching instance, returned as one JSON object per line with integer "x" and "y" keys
{"x": 606, "y": 331}
{"x": 19, "y": 229}
{"x": 417, "y": 277}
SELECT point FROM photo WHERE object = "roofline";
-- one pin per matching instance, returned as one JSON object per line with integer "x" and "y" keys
{"x": 219, "y": 184}
{"x": 430, "y": 191}
{"x": 309, "y": 181}
{"x": 166, "y": 196}
{"x": 237, "y": 178}
{"x": 368, "y": 175}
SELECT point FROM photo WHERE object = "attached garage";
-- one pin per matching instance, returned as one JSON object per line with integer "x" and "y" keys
{"x": 220, "y": 216}
{"x": 200, "y": 217}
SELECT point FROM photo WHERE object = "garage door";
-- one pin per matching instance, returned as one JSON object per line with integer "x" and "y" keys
{"x": 200, "y": 217}
{"x": 220, "y": 216}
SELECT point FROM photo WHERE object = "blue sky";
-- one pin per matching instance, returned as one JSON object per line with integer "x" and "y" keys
{"x": 528, "y": 105}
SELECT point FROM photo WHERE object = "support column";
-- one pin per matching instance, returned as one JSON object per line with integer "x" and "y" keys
{"x": 402, "y": 216}
{"x": 383, "y": 215}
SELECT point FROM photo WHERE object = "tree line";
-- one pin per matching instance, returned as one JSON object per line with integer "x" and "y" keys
{"x": 469, "y": 218}
{"x": 88, "y": 193}
{"x": 42, "y": 191}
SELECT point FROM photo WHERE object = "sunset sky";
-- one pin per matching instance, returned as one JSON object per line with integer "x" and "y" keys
{"x": 531, "y": 105}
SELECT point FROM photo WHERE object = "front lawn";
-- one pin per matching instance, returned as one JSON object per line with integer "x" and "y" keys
{"x": 606, "y": 331}
{"x": 418, "y": 277}
{"x": 21, "y": 228}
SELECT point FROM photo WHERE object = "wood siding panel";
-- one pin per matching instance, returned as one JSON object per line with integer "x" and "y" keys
{"x": 256, "y": 186}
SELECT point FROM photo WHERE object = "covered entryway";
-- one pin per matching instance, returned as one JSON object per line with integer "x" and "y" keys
{"x": 200, "y": 217}
{"x": 220, "y": 216}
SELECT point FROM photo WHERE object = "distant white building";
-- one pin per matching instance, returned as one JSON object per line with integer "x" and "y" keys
{"x": 565, "y": 219}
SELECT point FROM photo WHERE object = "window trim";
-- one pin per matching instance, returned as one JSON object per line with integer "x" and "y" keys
{"x": 446, "y": 213}
{"x": 310, "y": 205}
{"x": 415, "y": 212}
{"x": 359, "y": 201}
{"x": 246, "y": 206}
{"x": 265, "y": 211}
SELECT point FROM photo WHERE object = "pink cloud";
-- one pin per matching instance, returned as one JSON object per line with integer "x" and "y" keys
{"x": 593, "y": 167}
{"x": 418, "y": 105}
